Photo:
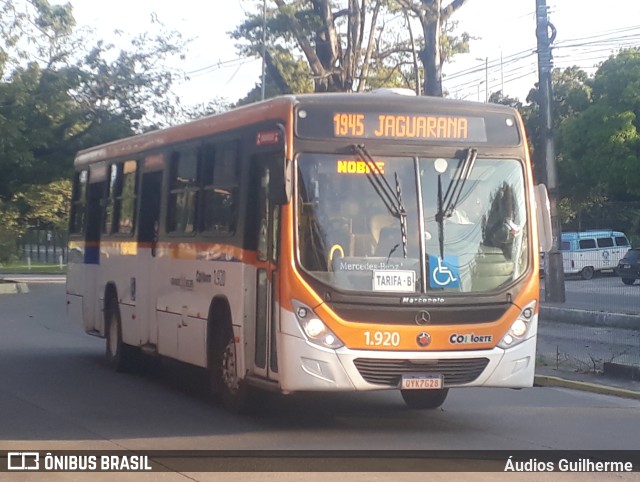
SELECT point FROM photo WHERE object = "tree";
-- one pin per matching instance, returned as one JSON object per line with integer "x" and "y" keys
{"x": 336, "y": 44}
{"x": 45, "y": 205}
{"x": 61, "y": 93}
{"x": 571, "y": 95}
{"x": 595, "y": 123}
{"x": 433, "y": 16}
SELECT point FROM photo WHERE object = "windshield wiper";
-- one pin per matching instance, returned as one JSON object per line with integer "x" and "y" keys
{"x": 392, "y": 200}
{"x": 447, "y": 203}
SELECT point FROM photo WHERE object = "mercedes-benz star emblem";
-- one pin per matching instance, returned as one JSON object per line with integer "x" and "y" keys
{"x": 423, "y": 339}
{"x": 423, "y": 318}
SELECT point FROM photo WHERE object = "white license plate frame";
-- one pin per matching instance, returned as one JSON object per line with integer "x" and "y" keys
{"x": 394, "y": 281}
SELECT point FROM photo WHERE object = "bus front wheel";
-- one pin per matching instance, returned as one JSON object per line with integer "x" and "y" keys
{"x": 226, "y": 384}
{"x": 120, "y": 356}
{"x": 424, "y": 399}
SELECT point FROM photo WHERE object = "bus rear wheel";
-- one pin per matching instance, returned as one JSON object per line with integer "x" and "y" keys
{"x": 120, "y": 356}
{"x": 424, "y": 399}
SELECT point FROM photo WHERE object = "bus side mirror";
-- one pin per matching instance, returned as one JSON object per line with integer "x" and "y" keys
{"x": 543, "y": 218}
{"x": 280, "y": 184}
{"x": 280, "y": 180}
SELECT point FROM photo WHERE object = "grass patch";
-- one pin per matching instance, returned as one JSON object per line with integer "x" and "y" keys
{"x": 35, "y": 268}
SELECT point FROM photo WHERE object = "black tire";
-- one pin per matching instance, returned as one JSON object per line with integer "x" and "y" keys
{"x": 120, "y": 356}
{"x": 587, "y": 272}
{"x": 628, "y": 281}
{"x": 234, "y": 393}
{"x": 424, "y": 399}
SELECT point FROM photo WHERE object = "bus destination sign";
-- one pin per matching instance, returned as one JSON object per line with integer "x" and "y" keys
{"x": 396, "y": 126}
{"x": 314, "y": 122}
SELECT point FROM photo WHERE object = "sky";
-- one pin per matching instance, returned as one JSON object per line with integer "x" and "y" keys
{"x": 503, "y": 51}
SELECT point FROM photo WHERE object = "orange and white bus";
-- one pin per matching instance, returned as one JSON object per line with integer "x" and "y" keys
{"x": 328, "y": 242}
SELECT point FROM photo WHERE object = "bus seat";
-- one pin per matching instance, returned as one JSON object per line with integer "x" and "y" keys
{"x": 378, "y": 222}
{"x": 389, "y": 238}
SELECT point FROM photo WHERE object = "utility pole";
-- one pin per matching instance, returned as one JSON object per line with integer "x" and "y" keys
{"x": 264, "y": 48}
{"x": 501, "y": 75}
{"x": 554, "y": 273}
{"x": 486, "y": 80}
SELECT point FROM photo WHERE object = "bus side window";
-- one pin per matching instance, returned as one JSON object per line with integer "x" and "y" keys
{"x": 113, "y": 187}
{"x": 79, "y": 203}
{"x": 183, "y": 191}
{"x": 220, "y": 187}
{"x": 126, "y": 199}
{"x": 120, "y": 198}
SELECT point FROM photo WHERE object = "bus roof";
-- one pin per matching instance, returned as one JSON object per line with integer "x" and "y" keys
{"x": 279, "y": 108}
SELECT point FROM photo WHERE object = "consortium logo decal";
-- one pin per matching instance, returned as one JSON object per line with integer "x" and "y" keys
{"x": 466, "y": 339}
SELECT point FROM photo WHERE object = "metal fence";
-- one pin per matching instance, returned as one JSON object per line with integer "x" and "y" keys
{"x": 596, "y": 329}
{"x": 43, "y": 246}
{"x": 586, "y": 349}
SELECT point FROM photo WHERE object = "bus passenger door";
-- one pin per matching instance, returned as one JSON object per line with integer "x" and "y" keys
{"x": 145, "y": 284}
{"x": 265, "y": 354}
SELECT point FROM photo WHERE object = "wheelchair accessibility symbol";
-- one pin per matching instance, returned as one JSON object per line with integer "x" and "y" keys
{"x": 444, "y": 272}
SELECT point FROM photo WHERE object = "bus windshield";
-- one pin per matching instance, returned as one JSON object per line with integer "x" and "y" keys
{"x": 351, "y": 237}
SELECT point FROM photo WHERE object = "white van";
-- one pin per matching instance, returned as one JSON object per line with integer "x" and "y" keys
{"x": 586, "y": 252}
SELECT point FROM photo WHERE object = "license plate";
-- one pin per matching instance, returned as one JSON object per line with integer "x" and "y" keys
{"x": 421, "y": 382}
{"x": 626, "y": 266}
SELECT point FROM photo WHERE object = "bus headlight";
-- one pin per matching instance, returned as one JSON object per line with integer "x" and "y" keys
{"x": 519, "y": 328}
{"x": 313, "y": 327}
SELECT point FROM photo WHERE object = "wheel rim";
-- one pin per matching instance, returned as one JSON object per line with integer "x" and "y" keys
{"x": 229, "y": 367}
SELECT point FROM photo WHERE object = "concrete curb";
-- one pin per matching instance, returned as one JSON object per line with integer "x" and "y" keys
{"x": 588, "y": 318}
{"x": 548, "y": 381}
{"x": 13, "y": 288}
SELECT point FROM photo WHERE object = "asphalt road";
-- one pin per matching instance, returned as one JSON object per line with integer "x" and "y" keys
{"x": 605, "y": 292}
{"x": 57, "y": 393}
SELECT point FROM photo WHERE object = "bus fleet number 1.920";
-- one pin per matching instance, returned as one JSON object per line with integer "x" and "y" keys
{"x": 382, "y": 338}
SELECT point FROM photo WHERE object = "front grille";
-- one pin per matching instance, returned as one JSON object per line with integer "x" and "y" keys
{"x": 388, "y": 372}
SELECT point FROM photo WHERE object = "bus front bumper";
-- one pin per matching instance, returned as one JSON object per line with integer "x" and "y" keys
{"x": 312, "y": 368}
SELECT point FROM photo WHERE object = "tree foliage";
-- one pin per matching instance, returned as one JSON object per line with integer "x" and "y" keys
{"x": 61, "y": 92}
{"x": 351, "y": 47}
{"x": 438, "y": 45}
{"x": 595, "y": 121}
{"x": 336, "y": 44}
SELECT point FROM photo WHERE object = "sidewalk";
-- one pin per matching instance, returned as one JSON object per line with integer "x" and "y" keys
{"x": 592, "y": 324}
{"x": 588, "y": 382}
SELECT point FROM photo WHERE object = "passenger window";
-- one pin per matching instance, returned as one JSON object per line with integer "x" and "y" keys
{"x": 126, "y": 200}
{"x": 605, "y": 242}
{"x": 120, "y": 198}
{"x": 587, "y": 243}
{"x": 622, "y": 241}
{"x": 183, "y": 191}
{"x": 79, "y": 203}
{"x": 565, "y": 246}
{"x": 220, "y": 187}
